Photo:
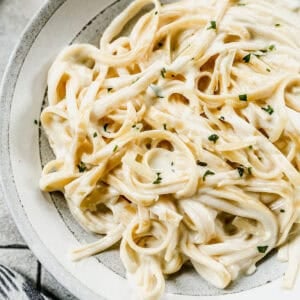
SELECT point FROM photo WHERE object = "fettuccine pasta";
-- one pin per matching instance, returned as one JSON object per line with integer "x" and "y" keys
{"x": 179, "y": 138}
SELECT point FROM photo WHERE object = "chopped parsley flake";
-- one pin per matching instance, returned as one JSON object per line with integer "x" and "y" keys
{"x": 213, "y": 138}
{"x": 249, "y": 170}
{"x": 213, "y": 25}
{"x": 268, "y": 70}
{"x": 95, "y": 134}
{"x": 109, "y": 90}
{"x": 246, "y": 58}
{"x": 269, "y": 109}
{"x": 222, "y": 118}
{"x": 207, "y": 173}
{"x": 272, "y": 47}
{"x": 277, "y": 25}
{"x": 135, "y": 80}
{"x": 158, "y": 179}
{"x": 135, "y": 126}
{"x": 172, "y": 163}
{"x": 243, "y": 97}
{"x": 156, "y": 12}
{"x": 241, "y": 171}
{"x": 250, "y": 147}
{"x": 201, "y": 163}
{"x": 115, "y": 148}
{"x": 282, "y": 210}
{"x": 36, "y": 122}
{"x": 81, "y": 167}
{"x": 105, "y": 127}
{"x": 163, "y": 72}
{"x": 165, "y": 126}
{"x": 262, "y": 249}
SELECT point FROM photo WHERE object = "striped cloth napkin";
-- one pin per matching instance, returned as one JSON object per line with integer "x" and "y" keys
{"x": 13, "y": 286}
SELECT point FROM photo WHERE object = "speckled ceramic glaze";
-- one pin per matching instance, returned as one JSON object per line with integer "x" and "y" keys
{"x": 43, "y": 219}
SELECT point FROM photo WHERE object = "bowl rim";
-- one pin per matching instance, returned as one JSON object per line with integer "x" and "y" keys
{"x": 7, "y": 184}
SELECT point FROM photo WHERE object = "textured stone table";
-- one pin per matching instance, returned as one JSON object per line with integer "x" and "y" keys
{"x": 14, "y": 15}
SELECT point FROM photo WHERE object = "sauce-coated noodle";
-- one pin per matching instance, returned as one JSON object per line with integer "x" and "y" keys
{"x": 181, "y": 138}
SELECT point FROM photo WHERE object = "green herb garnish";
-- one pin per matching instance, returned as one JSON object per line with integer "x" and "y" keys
{"x": 282, "y": 210}
{"x": 105, "y": 127}
{"x": 207, "y": 173}
{"x": 213, "y": 25}
{"x": 95, "y": 134}
{"x": 246, "y": 58}
{"x": 213, "y": 138}
{"x": 158, "y": 179}
{"x": 249, "y": 170}
{"x": 109, "y": 90}
{"x": 241, "y": 171}
{"x": 163, "y": 72}
{"x": 272, "y": 47}
{"x": 136, "y": 127}
{"x": 269, "y": 109}
{"x": 115, "y": 148}
{"x": 262, "y": 249}
{"x": 222, "y": 118}
{"x": 243, "y": 97}
{"x": 277, "y": 25}
{"x": 81, "y": 167}
{"x": 201, "y": 163}
{"x": 165, "y": 126}
{"x": 268, "y": 70}
{"x": 36, "y": 122}
{"x": 135, "y": 80}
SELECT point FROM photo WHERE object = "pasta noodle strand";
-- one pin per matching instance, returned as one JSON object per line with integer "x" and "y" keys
{"x": 179, "y": 138}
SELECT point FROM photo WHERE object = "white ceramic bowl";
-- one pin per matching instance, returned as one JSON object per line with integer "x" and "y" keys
{"x": 43, "y": 219}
